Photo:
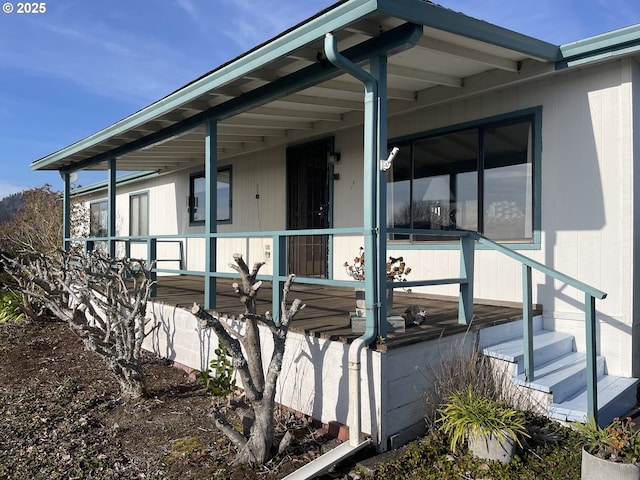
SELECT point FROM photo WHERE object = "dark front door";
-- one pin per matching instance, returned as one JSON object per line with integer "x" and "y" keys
{"x": 308, "y": 207}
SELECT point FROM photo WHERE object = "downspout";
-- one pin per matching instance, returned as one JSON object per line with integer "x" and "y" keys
{"x": 370, "y": 181}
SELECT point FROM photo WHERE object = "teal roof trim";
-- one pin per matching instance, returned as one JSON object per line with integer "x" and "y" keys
{"x": 618, "y": 42}
{"x": 334, "y": 18}
{"x": 435, "y": 16}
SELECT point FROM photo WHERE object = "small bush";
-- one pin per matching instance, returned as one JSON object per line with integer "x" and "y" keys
{"x": 552, "y": 452}
{"x": 10, "y": 302}
{"x": 218, "y": 381}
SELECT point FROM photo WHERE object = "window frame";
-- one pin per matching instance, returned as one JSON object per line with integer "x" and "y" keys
{"x": 146, "y": 219}
{"x": 191, "y": 199}
{"x": 533, "y": 114}
{"x": 102, "y": 230}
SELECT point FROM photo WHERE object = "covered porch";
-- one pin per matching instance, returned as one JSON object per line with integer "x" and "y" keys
{"x": 327, "y": 314}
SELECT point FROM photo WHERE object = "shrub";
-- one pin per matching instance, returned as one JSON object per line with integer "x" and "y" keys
{"x": 10, "y": 302}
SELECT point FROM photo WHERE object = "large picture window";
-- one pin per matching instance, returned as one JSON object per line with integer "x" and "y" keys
{"x": 197, "y": 201}
{"x": 478, "y": 179}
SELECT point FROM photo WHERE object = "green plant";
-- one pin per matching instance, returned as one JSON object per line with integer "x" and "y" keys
{"x": 10, "y": 306}
{"x": 218, "y": 381}
{"x": 619, "y": 441}
{"x": 465, "y": 413}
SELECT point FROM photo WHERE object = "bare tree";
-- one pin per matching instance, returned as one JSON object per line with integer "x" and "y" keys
{"x": 37, "y": 227}
{"x": 260, "y": 389}
{"x": 101, "y": 298}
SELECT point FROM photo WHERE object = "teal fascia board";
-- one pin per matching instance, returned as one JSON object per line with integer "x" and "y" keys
{"x": 121, "y": 180}
{"x": 435, "y": 16}
{"x": 310, "y": 31}
{"x": 393, "y": 41}
{"x": 618, "y": 42}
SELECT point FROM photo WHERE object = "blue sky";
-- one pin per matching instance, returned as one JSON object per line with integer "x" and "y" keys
{"x": 85, "y": 64}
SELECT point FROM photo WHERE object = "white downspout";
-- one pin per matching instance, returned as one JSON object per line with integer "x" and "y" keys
{"x": 355, "y": 410}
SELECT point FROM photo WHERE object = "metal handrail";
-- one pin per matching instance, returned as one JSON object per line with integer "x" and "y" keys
{"x": 468, "y": 241}
{"x": 590, "y": 295}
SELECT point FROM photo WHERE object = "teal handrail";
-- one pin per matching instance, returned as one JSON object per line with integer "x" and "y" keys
{"x": 590, "y": 295}
{"x": 468, "y": 241}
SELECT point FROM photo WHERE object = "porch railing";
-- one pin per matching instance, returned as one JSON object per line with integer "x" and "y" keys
{"x": 468, "y": 242}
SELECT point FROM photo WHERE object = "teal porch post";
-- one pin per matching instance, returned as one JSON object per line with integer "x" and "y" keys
{"x": 379, "y": 73}
{"x": 592, "y": 371}
{"x": 527, "y": 318}
{"x": 111, "y": 207}
{"x": 465, "y": 307}
{"x": 66, "y": 212}
{"x": 211, "y": 214}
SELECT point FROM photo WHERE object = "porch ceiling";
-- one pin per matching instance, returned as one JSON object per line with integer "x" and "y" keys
{"x": 445, "y": 63}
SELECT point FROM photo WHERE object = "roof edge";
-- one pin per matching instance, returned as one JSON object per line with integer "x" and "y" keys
{"x": 441, "y": 18}
{"x": 617, "y": 42}
{"x": 333, "y": 18}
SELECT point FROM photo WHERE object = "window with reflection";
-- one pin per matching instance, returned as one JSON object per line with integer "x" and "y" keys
{"x": 478, "y": 179}
{"x": 197, "y": 201}
{"x": 99, "y": 218}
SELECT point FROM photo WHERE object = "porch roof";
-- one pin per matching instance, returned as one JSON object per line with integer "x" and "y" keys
{"x": 268, "y": 97}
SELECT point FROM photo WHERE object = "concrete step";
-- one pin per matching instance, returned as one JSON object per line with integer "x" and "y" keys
{"x": 547, "y": 346}
{"x": 616, "y": 396}
{"x": 563, "y": 377}
{"x": 562, "y": 373}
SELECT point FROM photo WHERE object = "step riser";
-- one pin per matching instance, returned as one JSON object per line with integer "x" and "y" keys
{"x": 546, "y": 353}
{"x": 575, "y": 383}
{"x": 506, "y": 331}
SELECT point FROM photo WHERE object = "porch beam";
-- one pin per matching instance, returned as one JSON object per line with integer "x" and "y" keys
{"x": 301, "y": 114}
{"x": 501, "y": 63}
{"x": 425, "y": 76}
{"x": 211, "y": 214}
{"x": 323, "y": 101}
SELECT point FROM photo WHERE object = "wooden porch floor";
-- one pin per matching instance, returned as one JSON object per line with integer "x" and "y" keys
{"x": 327, "y": 312}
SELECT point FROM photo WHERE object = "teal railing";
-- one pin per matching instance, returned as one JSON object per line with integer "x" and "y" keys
{"x": 467, "y": 246}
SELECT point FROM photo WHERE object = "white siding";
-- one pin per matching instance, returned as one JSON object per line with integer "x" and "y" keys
{"x": 586, "y": 208}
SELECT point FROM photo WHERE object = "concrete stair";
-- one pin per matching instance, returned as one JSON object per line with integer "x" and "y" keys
{"x": 560, "y": 372}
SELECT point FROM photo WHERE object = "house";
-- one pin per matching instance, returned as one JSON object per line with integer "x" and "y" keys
{"x": 501, "y": 167}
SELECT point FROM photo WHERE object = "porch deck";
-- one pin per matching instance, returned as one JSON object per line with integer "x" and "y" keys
{"x": 327, "y": 312}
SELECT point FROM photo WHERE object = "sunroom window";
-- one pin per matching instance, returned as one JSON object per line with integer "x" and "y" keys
{"x": 478, "y": 179}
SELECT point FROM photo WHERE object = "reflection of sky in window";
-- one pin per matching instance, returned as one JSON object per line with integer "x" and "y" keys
{"x": 223, "y": 210}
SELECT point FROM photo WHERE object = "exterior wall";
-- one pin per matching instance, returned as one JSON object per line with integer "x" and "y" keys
{"x": 314, "y": 376}
{"x": 586, "y": 206}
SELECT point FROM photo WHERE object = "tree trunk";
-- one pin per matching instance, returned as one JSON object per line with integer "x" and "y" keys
{"x": 260, "y": 442}
{"x": 130, "y": 378}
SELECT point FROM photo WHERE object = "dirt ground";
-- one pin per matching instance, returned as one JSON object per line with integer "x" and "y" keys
{"x": 61, "y": 416}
